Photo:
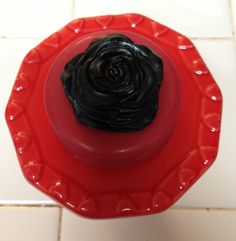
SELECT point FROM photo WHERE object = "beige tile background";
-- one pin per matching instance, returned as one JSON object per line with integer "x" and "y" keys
{"x": 177, "y": 225}
{"x": 29, "y": 223}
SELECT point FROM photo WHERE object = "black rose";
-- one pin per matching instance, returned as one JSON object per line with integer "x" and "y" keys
{"x": 114, "y": 84}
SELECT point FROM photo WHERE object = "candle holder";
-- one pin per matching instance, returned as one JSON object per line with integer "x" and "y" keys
{"x": 114, "y": 116}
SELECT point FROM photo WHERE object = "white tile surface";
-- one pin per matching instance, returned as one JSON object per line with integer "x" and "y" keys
{"x": 13, "y": 186}
{"x": 25, "y": 224}
{"x": 31, "y": 18}
{"x": 196, "y": 18}
{"x": 217, "y": 187}
{"x": 173, "y": 225}
{"x": 233, "y": 8}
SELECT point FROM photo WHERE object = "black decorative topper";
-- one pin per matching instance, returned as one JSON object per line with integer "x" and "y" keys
{"x": 114, "y": 84}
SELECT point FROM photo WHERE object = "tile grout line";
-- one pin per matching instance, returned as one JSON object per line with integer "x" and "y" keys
{"x": 29, "y": 206}
{"x": 21, "y": 38}
{"x": 61, "y": 208}
{"x": 59, "y": 224}
{"x": 27, "y": 202}
{"x": 210, "y": 38}
{"x": 203, "y": 209}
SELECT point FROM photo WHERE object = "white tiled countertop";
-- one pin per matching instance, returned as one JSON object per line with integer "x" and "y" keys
{"x": 26, "y": 214}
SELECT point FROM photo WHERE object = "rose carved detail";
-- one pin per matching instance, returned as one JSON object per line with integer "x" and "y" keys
{"x": 114, "y": 84}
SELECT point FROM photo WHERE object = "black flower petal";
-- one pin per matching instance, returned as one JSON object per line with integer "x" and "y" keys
{"x": 114, "y": 84}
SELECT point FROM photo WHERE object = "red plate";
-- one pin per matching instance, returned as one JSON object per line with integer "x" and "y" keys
{"x": 101, "y": 174}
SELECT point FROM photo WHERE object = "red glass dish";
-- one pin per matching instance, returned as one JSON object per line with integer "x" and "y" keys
{"x": 102, "y": 174}
{"x": 103, "y": 148}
